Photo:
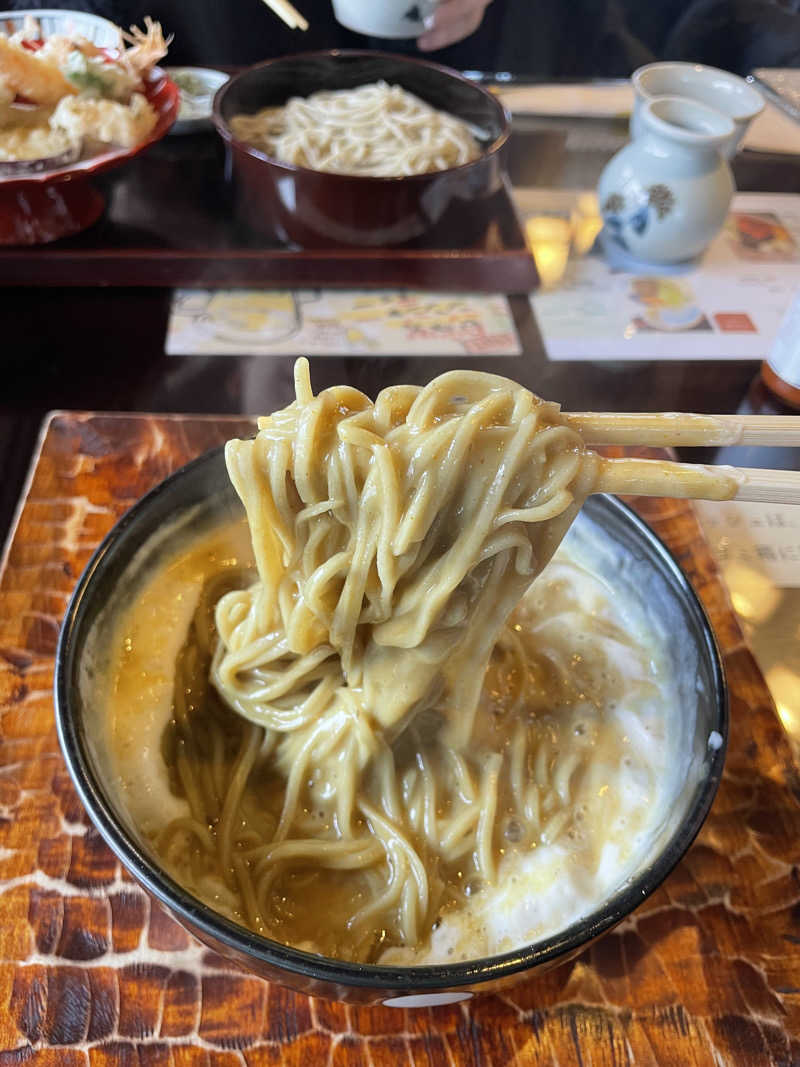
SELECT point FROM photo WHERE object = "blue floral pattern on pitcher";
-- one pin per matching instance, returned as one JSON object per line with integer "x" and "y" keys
{"x": 659, "y": 203}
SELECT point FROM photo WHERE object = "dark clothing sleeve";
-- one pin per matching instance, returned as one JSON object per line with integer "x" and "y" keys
{"x": 737, "y": 35}
{"x": 543, "y": 38}
{"x": 553, "y": 38}
{"x": 539, "y": 38}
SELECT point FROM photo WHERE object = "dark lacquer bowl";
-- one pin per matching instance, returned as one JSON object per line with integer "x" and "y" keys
{"x": 316, "y": 209}
{"x": 200, "y": 493}
{"x": 42, "y": 204}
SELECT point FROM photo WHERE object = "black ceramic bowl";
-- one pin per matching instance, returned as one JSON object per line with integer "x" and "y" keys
{"x": 200, "y": 493}
{"x": 318, "y": 209}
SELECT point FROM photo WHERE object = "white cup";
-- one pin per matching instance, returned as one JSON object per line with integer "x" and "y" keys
{"x": 725, "y": 92}
{"x": 384, "y": 18}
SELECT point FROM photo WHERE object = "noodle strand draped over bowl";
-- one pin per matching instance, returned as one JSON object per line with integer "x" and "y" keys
{"x": 392, "y": 540}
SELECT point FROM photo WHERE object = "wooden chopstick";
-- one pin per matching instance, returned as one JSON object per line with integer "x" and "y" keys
{"x": 288, "y": 14}
{"x": 654, "y": 477}
{"x": 671, "y": 428}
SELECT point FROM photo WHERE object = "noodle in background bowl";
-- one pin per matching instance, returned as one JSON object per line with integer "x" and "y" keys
{"x": 201, "y": 494}
{"x": 321, "y": 209}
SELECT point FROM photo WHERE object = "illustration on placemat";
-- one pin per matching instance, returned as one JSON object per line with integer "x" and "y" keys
{"x": 760, "y": 237}
{"x": 260, "y": 322}
{"x": 242, "y": 316}
{"x": 426, "y": 317}
{"x": 734, "y": 322}
{"x": 669, "y": 304}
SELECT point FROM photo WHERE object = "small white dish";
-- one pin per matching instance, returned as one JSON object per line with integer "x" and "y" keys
{"x": 725, "y": 92}
{"x": 197, "y": 87}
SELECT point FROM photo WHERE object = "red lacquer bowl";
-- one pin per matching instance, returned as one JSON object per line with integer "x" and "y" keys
{"x": 321, "y": 209}
{"x": 36, "y": 208}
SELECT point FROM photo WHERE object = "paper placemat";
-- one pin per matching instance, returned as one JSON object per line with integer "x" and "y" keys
{"x": 728, "y": 307}
{"x": 757, "y": 550}
{"x": 590, "y": 100}
{"x": 764, "y": 538}
{"x": 772, "y": 131}
{"x": 257, "y": 322}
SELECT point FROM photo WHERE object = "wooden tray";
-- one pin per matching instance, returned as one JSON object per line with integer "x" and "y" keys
{"x": 169, "y": 221}
{"x": 706, "y": 972}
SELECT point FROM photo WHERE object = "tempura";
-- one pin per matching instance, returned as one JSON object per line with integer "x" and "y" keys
{"x": 64, "y": 93}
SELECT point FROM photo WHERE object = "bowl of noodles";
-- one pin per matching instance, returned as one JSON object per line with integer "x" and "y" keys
{"x": 345, "y": 148}
{"x": 312, "y": 701}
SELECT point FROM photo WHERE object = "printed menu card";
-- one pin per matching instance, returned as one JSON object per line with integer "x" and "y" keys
{"x": 726, "y": 306}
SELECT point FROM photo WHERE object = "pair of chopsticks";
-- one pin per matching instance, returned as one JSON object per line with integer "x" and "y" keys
{"x": 648, "y": 477}
{"x": 288, "y": 14}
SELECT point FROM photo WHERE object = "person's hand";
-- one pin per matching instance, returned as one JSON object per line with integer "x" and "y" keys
{"x": 452, "y": 21}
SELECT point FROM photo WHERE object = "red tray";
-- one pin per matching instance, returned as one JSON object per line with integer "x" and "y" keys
{"x": 169, "y": 221}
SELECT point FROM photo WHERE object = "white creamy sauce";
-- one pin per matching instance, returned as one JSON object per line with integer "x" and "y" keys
{"x": 536, "y": 893}
{"x": 542, "y": 892}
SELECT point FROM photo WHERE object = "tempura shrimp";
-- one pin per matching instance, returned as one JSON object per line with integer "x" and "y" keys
{"x": 37, "y": 79}
{"x": 147, "y": 47}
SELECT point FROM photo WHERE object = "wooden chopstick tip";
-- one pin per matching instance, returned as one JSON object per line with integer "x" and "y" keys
{"x": 287, "y": 14}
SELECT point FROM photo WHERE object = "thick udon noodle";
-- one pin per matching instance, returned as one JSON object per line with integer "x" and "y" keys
{"x": 329, "y": 729}
{"x": 377, "y": 130}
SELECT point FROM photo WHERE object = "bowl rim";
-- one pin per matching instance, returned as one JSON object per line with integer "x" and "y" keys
{"x": 64, "y": 14}
{"x": 738, "y": 86}
{"x": 244, "y": 942}
{"x": 655, "y": 120}
{"x": 487, "y": 152}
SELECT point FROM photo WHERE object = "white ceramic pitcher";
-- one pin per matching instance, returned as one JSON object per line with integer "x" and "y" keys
{"x": 665, "y": 195}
